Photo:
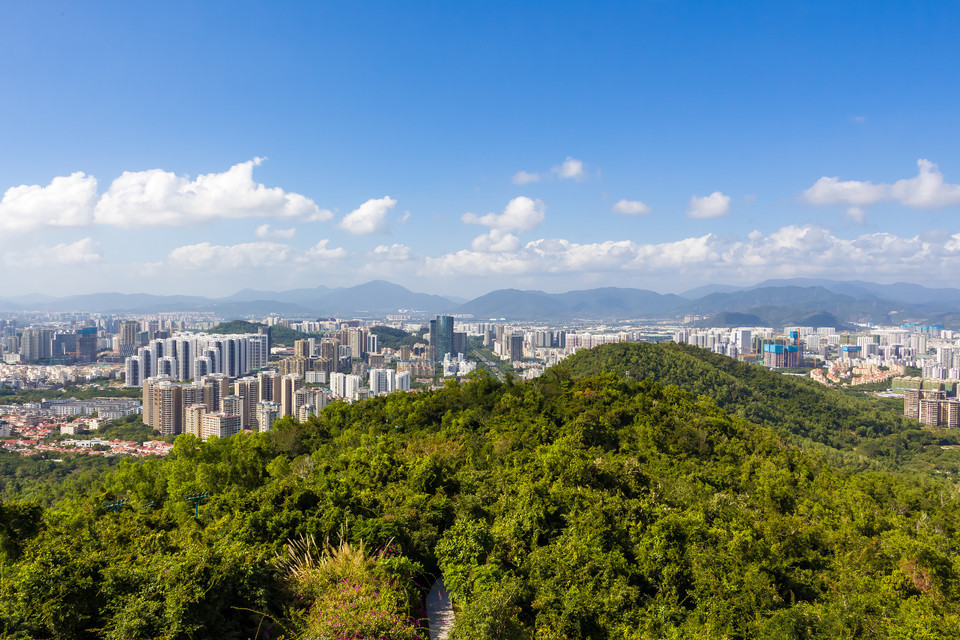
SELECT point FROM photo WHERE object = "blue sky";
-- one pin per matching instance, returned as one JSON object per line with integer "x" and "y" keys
{"x": 458, "y": 148}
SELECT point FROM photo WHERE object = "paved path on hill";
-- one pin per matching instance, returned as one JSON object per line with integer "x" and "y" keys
{"x": 439, "y": 611}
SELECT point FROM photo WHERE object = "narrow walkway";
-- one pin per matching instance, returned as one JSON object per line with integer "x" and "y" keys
{"x": 439, "y": 611}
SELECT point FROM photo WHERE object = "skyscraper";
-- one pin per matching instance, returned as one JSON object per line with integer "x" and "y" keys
{"x": 441, "y": 336}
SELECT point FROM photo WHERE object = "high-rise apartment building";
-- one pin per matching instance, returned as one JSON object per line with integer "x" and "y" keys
{"x": 220, "y": 424}
{"x": 267, "y": 414}
{"x": 248, "y": 390}
{"x": 193, "y": 419}
{"x": 288, "y": 386}
{"x": 382, "y": 381}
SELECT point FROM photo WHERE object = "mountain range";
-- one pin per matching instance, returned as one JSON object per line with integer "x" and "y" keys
{"x": 770, "y": 303}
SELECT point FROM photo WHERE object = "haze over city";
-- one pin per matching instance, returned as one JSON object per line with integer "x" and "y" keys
{"x": 186, "y": 148}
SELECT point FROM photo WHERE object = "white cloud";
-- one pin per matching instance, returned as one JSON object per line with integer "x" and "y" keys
{"x": 927, "y": 190}
{"x": 857, "y": 214}
{"x": 264, "y": 231}
{"x": 394, "y": 261}
{"x": 404, "y": 217}
{"x": 571, "y": 169}
{"x": 791, "y": 251}
{"x": 67, "y": 201}
{"x": 370, "y": 217}
{"x": 320, "y": 252}
{"x": 496, "y": 240}
{"x": 525, "y": 177}
{"x": 160, "y": 198}
{"x": 82, "y": 252}
{"x": 395, "y": 252}
{"x": 520, "y": 214}
{"x": 631, "y": 208}
{"x": 320, "y": 215}
{"x": 832, "y": 190}
{"x": 712, "y": 206}
{"x": 205, "y": 256}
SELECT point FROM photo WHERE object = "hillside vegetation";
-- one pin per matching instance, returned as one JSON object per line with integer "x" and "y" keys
{"x": 800, "y": 409}
{"x": 279, "y": 335}
{"x": 583, "y": 504}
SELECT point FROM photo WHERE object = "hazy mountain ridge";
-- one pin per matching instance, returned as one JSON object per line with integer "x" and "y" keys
{"x": 773, "y": 302}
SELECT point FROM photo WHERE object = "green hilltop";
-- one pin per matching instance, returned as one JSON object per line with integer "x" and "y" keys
{"x": 634, "y": 491}
{"x": 278, "y": 334}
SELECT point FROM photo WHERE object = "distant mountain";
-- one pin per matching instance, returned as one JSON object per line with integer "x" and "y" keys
{"x": 606, "y": 302}
{"x": 794, "y": 303}
{"x": 823, "y": 319}
{"x": 377, "y": 297}
{"x": 373, "y": 298}
{"x": 513, "y": 304}
{"x": 904, "y": 292}
{"x": 707, "y": 289}
{"x": 294, "y": 296}
{"x": 801, "y": 301}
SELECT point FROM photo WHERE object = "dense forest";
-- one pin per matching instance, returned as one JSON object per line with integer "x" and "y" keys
{"x": 635, "y": 491}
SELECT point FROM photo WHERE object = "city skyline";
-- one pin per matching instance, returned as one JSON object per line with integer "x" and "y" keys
{"x": 457, "y": 150}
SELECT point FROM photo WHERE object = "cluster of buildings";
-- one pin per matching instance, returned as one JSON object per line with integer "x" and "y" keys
{"x": 37, "y": 376}
{"x": 37, "y": 422}
{"x": 95, "y": 410}
{"x": 932, "y": 407}
{"x": 188, "y": 356}
{"x": 95, "y": 446}
{"x": 904, "y": 346}
{"x": 843, "y": 372}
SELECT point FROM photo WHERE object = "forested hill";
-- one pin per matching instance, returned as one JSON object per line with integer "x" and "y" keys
{"x": 278, "y": 335}
{"x": 571, "y": 506}
{"x": 789, "y": 404}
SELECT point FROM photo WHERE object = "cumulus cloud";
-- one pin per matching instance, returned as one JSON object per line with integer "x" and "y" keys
{"x": 712, "y": 206}
{"x": 857, "y": 214}
{"x": 82, "y": 252}
{"x": 525, "y": 177}
{"x": 496, "y": 240}
{"x": 320, "y": 215}
{"x": 393, "y": 252}
{"x": 927, "y": 190}
{"x": 67, "y": 201}
{"x": 791, "y": 251}
{"x": 570, "y": 169}
{"x": 321, "y": 252}
{"x": 833, "y": 190}
{"x": 151, "y": 198}
{"x": 370, "y": 217}
{"x": 520, "y": 214}
{"x": 264, "y": 231}
{"x": 630, "y": 208}
{"x": 160, "y": 198}
{"x": 205, "y": 256}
